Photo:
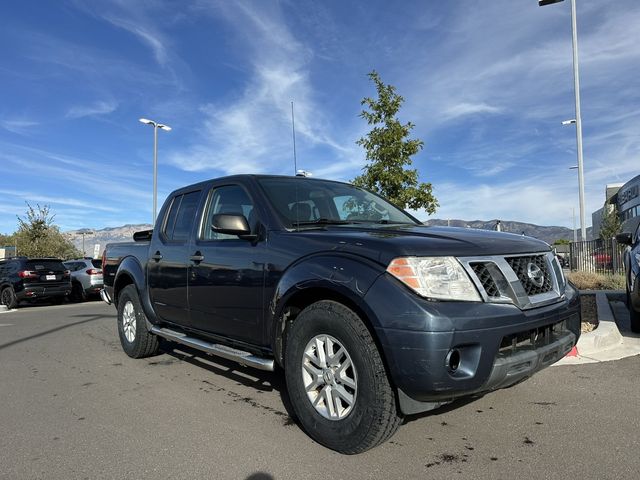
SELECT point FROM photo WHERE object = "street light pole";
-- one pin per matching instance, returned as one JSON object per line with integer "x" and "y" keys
{"x": 578, "y": 119}
{"x": 576, "y": 87}
{"x": 83, "y": 232}
{"x": 156, "y": 126}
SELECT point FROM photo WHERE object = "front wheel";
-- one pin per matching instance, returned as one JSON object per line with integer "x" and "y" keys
{"x": 135, "y": 339}
{"x": 337, "y": 381}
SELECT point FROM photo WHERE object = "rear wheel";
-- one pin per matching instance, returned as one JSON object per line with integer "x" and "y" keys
{"x": 136, "y": 340}
{"x": 337, "y": 381}
{"x": 8, "y": 298}
{"x": 77, "y": 293}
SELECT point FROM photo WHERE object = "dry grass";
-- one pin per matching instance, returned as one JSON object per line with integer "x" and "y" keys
{"x": 596, "y": 281}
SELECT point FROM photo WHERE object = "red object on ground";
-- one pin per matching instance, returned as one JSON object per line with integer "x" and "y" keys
{"x": 573, "y": 352}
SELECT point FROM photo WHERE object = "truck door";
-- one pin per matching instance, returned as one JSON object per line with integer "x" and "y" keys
{"x": 167, "y": 267}
{"x": 226, "y": 273}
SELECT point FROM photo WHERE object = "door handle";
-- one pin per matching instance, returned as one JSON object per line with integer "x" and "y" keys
{"x": 157, "y": 256}
{"x": 196, "y": 257}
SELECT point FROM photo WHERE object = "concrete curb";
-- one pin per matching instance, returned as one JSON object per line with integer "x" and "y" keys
{"x": 606, "y": 335}
{"x": 606, "y": 342}
{"x": 3, "y": 309}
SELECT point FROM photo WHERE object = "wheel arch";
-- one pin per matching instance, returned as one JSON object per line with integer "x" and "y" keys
{"x": 130, "y": 271}
{"x": 341, "y": 279}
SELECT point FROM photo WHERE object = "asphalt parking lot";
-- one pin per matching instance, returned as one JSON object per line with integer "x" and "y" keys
{"x": 73, "y": 405}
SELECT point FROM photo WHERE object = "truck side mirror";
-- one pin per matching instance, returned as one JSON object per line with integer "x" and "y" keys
{"x": 624, "y": 238}
{"x": 231, "y": 224}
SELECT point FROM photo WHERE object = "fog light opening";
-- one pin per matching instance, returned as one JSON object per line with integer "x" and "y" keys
{"x": 453, "y": 359}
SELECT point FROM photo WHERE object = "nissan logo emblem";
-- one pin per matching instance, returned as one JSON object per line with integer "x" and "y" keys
{"x": 535, "y": 274}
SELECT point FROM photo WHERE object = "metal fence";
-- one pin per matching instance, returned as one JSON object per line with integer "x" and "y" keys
{"x": 597, "y": 256}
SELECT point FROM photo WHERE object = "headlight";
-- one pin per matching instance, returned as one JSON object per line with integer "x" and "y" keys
{"x": 435, "y": 277}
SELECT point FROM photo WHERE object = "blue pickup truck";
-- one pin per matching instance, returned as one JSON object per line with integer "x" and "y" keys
{"x": 371, "y": 315}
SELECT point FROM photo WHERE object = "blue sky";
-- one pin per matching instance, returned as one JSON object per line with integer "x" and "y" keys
{"x": 486, "y": 84}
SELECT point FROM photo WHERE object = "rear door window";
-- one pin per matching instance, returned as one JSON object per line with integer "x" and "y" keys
{"x": 45, "y": 265}
{"x": 180, "y": 217}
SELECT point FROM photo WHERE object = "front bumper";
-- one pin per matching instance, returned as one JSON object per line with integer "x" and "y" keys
{"x": 438, "y": 351}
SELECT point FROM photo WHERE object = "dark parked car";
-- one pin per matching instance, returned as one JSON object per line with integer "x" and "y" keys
{"x": 632, "y": 267}
{"x": 371, "y": 314}
{"x": 86, "y": 278}
{"x": 23, "y": 278}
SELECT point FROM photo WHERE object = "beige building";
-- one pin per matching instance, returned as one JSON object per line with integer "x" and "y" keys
{"x": 6, "y": 252}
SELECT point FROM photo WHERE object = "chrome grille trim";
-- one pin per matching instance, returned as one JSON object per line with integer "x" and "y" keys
{"x": 501, "y": 279}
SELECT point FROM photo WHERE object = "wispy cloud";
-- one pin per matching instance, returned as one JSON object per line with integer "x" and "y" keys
{"x": 34, "y": 197}
{"x": 95, "y": 109}
{"x": 252, "y": 132}
{"x": 19, "y": 126}
{"x": 463, "y": 109}
{"x": 151, "y": 37}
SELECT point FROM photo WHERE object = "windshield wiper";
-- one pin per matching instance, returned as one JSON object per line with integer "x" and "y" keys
{"x": 321, "y": 221}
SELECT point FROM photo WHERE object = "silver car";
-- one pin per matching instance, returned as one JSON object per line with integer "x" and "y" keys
{"x": 86, "y": 278}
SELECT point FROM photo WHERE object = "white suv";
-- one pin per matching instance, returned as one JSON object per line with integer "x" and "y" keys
{"x": 86, "y": 278}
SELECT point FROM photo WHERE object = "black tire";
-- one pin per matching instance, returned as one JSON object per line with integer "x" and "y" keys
{"x": 373, "y": 416}
{"x": 8, "y": 298}
{"x": 77, "y": 293}
{"x": 136, "y": 340}
{"x": 634, "y": 317}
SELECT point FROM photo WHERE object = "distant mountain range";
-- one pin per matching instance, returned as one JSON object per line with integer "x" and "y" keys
{"x": 125, "y": 233}
{"x": 104, "y": 236}
{"x": 547, "y": 234}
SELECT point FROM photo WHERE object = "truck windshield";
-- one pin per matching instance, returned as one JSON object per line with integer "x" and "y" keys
{"x": 304, "y": 201}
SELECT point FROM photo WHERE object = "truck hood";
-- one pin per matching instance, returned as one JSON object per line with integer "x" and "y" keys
{"x": 385, "y": 242}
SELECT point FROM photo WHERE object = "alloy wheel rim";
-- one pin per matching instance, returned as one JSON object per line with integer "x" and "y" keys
{"x": 129, "y": 321}
{"x": 329, "y": 377}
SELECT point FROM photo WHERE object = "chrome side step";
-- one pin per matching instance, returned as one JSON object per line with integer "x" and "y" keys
{"x": 240, "y": 356}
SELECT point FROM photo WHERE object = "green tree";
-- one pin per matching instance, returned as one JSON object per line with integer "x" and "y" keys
{"x": 562, "y": 241}
{"x": 38, "y": 236}
{"x": 389, "y": 150}
{"x": 611, "y": 224}
{"x": 7, "y": 240}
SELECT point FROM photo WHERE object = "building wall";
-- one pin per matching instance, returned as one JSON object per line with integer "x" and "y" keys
{"x": 7, "y": 252}
{"x": 628, "y": 202}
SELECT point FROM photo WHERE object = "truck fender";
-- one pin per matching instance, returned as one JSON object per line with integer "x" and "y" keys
{"x": 130, "y": 271}
{"x": 320, "y": 277}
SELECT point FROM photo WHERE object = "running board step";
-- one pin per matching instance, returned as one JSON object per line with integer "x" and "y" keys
{"x": 240, "y": 356}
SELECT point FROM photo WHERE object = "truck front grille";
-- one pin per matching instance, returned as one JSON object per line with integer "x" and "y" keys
{"x": 520, "y": 266}
{"x": 488, "y": 283}
{"x": 527, "y": 281}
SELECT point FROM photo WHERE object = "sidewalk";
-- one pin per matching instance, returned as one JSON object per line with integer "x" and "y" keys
{"x": 613, "y": 339}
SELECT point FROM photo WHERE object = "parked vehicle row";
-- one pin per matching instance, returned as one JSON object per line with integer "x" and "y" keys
{"x": 48, "y": 279}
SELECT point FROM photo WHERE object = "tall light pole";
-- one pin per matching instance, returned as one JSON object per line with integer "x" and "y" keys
{"x": 578, "y": 119}
{"x": 156, "y": 126}
{"x": 83, "y": 232}
{"x": 573, "y": 209}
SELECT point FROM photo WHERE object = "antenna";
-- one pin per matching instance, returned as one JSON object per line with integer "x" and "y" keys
{"x": 293, "y": 129}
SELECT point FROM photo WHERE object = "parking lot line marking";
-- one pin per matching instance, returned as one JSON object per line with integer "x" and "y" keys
{"x": 6, "y": 324}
